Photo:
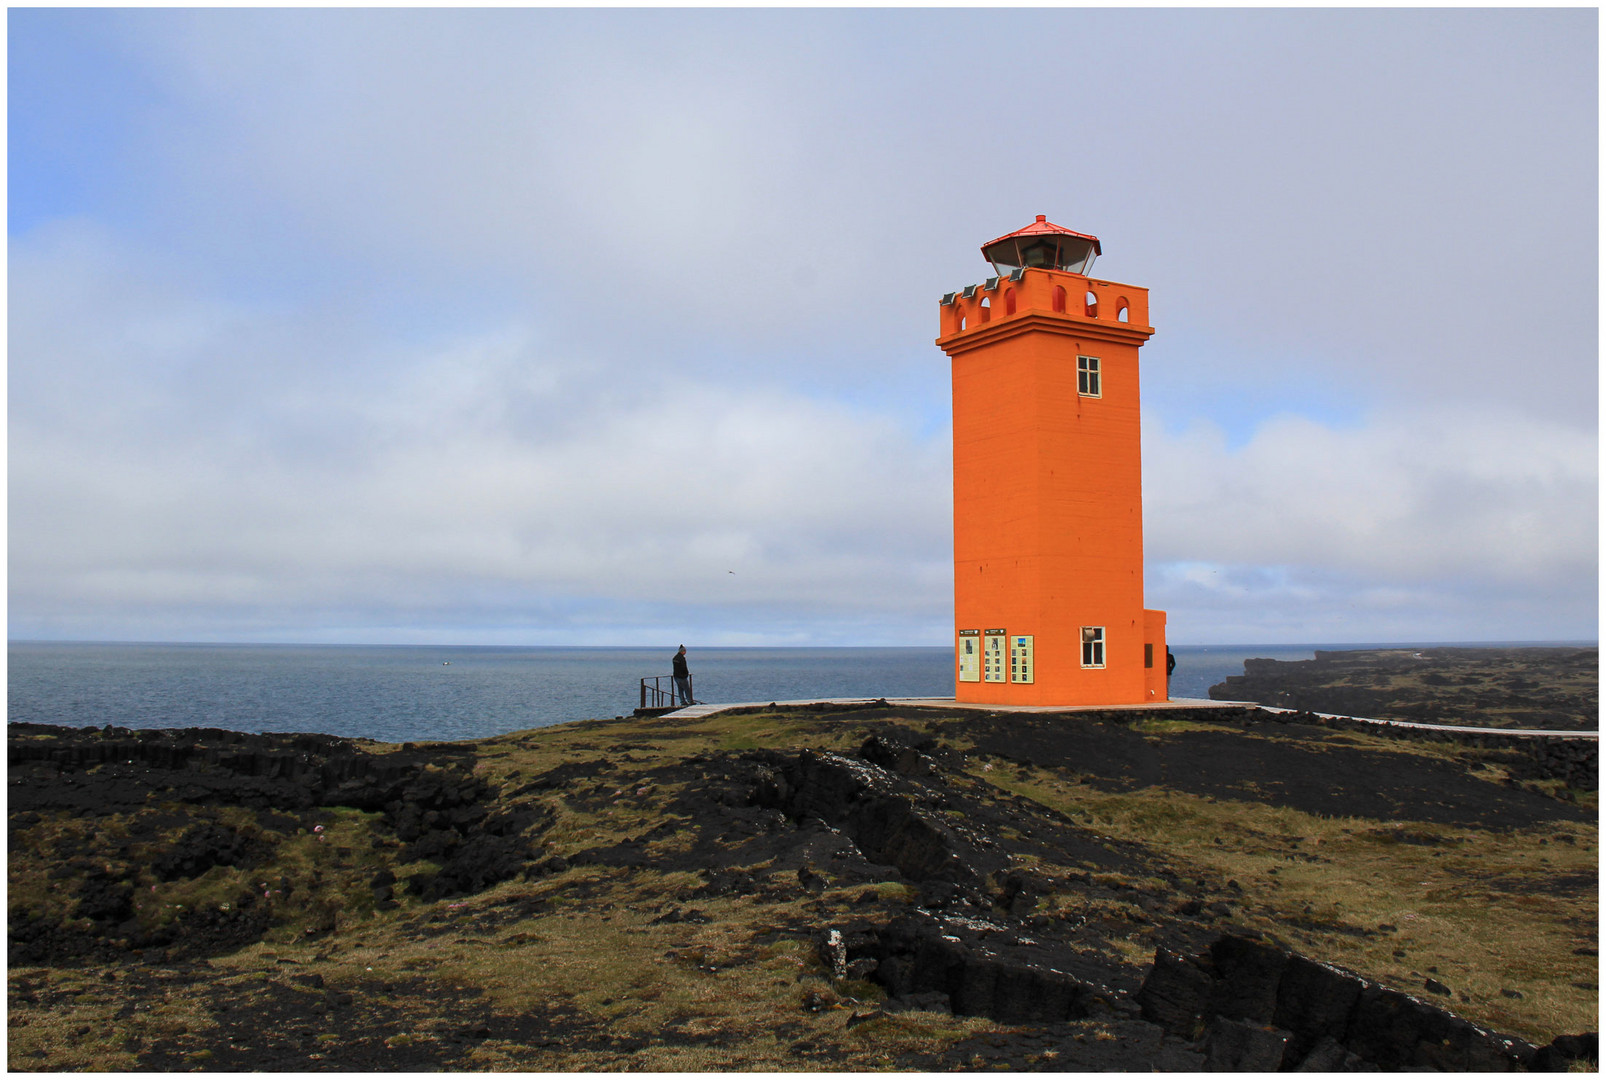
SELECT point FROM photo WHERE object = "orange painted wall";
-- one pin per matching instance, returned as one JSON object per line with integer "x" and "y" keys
{"x": 1048, "y": 495}
{"x": 1155, "y": 678}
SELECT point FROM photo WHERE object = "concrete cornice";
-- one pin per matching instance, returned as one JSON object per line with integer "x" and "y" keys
{"x": 1047, "y": 322}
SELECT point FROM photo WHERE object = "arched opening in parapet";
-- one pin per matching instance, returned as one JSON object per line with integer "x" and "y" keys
{"x": 1059, "y": 298}
{"x": 1009, "y": 302}
{"x": 1122, "y": 313}
{"x": 1092, "y": 302}
{"x": 986, "y": 311}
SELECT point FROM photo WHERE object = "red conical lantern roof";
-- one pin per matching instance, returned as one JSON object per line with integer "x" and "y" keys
{"x": 1045, "y": 244}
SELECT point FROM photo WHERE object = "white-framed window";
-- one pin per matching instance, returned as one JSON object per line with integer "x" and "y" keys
{"x": 1093, "y": 646}
{"x": 1087, "y": 376}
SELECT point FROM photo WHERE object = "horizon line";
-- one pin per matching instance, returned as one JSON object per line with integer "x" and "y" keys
{"x": 1397, "y": 643}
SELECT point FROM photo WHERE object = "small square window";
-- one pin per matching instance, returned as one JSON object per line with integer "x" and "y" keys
{"x": 1092, "y": 646}
{"x": 1087, "y": 376}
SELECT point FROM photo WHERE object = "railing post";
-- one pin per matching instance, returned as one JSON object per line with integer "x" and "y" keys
{"x": 662, "y": 698}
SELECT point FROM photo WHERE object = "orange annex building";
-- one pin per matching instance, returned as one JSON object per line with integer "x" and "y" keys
{"x": 1048, "y": 484}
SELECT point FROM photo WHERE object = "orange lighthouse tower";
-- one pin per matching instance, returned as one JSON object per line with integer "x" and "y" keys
{"x": 1048, "y": 488}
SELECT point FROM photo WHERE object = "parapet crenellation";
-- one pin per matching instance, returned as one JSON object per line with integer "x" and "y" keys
{"x": 1046, "y": 292}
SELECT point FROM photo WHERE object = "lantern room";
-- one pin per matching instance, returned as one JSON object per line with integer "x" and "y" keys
{"x": 1042, "y": 245}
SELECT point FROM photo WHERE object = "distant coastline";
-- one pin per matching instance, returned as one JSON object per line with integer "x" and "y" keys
{"x": 1199, "y": 667}
{"x": 1544, "y": 688}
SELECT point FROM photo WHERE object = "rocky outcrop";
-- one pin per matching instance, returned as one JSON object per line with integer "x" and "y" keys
{"x": 430, "y": 801}
{"x": 1566, "y": 1051}
{"x": 1575, "y": 762}
{"x": 863, "y": 799}
{"x": 893, "y": 814}
{"x": 212, "y": 767}
{"x": 923, "y": 963}
{"x": 1258, "y": 1007}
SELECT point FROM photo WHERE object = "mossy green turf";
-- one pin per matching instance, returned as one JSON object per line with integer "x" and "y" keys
{"x": 611, "y": 967}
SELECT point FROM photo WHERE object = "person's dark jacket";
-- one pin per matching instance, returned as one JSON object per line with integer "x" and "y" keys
{"x": 681, "y": 670}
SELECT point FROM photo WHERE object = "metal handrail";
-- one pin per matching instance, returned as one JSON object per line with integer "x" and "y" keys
{"x": 656, "y": 695}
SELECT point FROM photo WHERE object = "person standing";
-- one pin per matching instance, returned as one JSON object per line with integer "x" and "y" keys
{"x": 683, "y": 677}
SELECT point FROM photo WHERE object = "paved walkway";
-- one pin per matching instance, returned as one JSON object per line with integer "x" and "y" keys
{"x": 1529, "y": 732}
{"x": 705, "y": 709}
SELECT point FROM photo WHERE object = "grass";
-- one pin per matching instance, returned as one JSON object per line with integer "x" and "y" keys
{"x": 615, "y": 967}
{"x": 587, "y": 952}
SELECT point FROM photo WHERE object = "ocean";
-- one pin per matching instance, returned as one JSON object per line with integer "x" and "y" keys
{"x": 406, "y": 692}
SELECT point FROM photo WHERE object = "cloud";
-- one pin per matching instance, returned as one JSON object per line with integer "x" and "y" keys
{"x": 751, "y": 178}
{"x": 1412, "y": 493}
{"x": 1418, "y": 519}
{"x": 476, "y": 467}
{"x": 1235, "y": 603}
{"x": 523, "y": 323}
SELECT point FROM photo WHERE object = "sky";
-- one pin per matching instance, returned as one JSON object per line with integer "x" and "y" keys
{"x": 616, "y": 327}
